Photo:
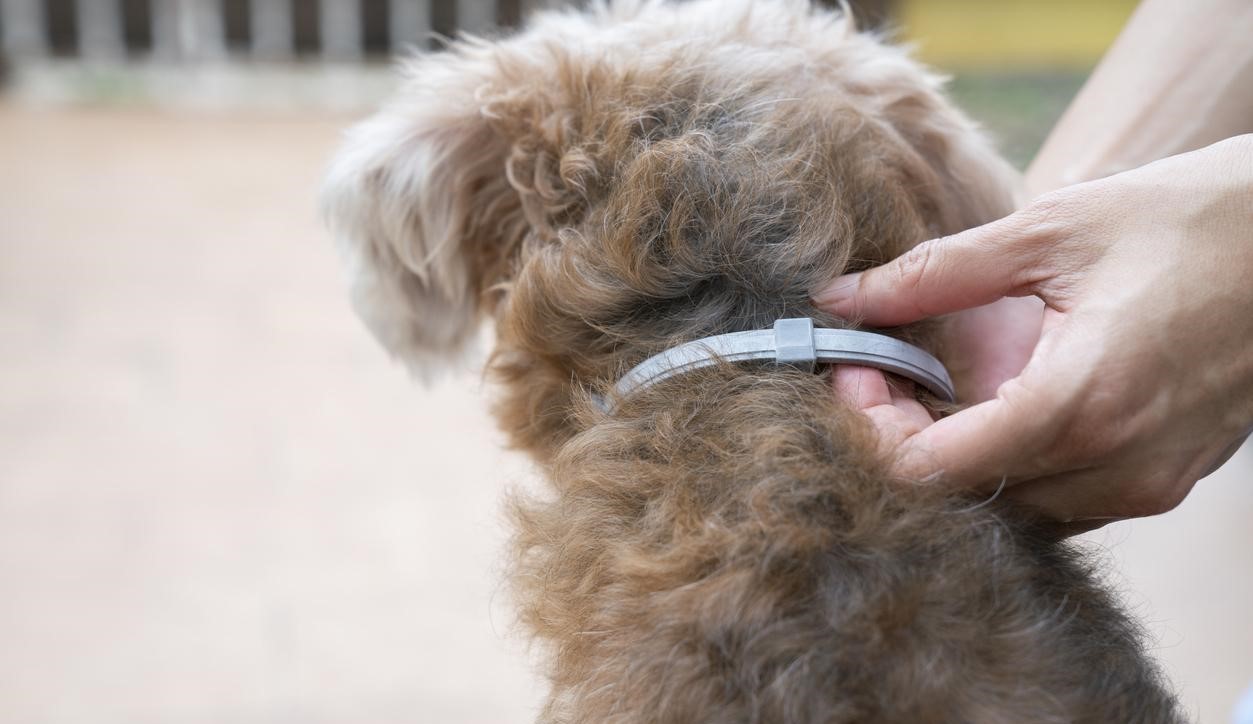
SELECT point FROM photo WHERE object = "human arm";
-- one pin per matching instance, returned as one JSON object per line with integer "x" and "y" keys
{"x": 1179, "y": 77}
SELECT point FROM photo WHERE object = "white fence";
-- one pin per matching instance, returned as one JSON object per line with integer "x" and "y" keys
{"x": 102, "y": 30}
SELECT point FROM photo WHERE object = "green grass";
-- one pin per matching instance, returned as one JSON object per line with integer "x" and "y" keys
{"x": 1017, "y": 109}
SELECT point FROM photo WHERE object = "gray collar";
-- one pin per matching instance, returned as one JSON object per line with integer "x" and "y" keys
{"x": 792, "y": 342}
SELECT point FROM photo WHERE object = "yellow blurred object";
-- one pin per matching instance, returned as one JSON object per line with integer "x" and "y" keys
{"x": 1013, "y": 34}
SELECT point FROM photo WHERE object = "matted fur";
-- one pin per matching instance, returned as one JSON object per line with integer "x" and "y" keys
{"x": 727, "y": 546}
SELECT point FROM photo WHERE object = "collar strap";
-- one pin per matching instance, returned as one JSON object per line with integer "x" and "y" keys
{"x": 793, "y": 342}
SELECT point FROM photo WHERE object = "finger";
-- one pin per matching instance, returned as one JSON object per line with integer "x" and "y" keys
{"x": 991, "y": 344}
{"x": 863, "y": 387}
{"x": 1117, "y": 489}
{"x": 1072, "y": 497}
{"x": 944, "y": 275}
{"x": 977, "y": 447}
{"x": 1225, "y": 455}
{"x": 894, "y": 415}
{"x": 1109, "y": 492}
{"x": 1079, "y": 527}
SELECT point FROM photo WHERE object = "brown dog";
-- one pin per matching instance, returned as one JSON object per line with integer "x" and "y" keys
{"x": 725, "y": 546}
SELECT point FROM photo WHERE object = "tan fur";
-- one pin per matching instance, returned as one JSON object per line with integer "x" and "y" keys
{"x": 725, "y": 547}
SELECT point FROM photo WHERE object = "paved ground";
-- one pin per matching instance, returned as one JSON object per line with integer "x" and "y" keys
{"x": 220, "y": 503}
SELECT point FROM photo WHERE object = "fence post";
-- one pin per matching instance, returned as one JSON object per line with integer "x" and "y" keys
{"x": 187, "y": 29}
{"x": 341, "y": 29}
{"x": 165, "y": 29}
{"x": 272, "y": 29}
{"x": 476, "y": 16}
{"x": 100, "y": 35}
{"x": 530, "y": 6}
{"x": 24, "y": 33}
{"x": 409, "y": 24}
{"x": 204, "y": 32}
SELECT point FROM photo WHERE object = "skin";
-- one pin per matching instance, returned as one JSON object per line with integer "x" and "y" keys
{"x": 1097, "y": 396}
{"x": 1178, "y": 78}
{"x": 1142, "y": 380}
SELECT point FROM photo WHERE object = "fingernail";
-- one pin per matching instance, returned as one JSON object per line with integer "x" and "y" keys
{"x": 839, "y": 294}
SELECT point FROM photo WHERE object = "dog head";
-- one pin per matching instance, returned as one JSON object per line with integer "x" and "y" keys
{"x": 612, "y": 182}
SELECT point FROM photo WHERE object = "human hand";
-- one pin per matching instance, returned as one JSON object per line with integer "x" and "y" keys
{"x": 990, "y": 345}
{"x": 1142, "y": 380}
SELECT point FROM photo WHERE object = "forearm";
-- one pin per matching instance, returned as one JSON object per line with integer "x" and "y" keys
{"x": 1179, "y": 77}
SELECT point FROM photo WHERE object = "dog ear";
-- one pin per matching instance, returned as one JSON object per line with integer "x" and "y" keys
{"x": 419, "y": 202}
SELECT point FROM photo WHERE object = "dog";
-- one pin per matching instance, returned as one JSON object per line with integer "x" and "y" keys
{"x": 726, "y": 545}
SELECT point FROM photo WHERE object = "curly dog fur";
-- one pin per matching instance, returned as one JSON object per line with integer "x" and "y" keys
{"x": 726, "y": 546}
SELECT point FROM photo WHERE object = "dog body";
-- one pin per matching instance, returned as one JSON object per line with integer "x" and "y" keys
{"x": 726, "y": 546}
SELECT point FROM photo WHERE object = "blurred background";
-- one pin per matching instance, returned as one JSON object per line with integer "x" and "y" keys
{"x": 220, "y": 502}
